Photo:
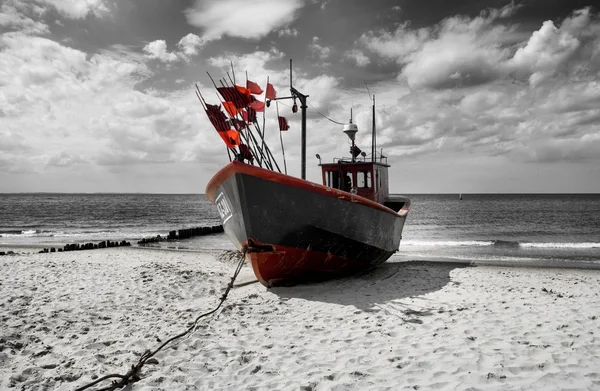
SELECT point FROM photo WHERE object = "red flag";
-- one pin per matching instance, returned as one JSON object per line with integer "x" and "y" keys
{"x": 238, "y": 95}
{"x": 231, "y": 138}
{"x": 249, "y": 114}
{"x": 253, "y": 87}
{"x": 270, "y": 94}
{"x": 238, "y": 124}
{"x": 230, "y": 108}
{"x": 283, "y": 125}
{"x": 217, "y": 118}
{"x": 246, "y": 153}
{"x": 245, "y": 92}
{"x": 257, "y": 106}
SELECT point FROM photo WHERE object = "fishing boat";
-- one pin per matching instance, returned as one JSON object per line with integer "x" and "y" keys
{"x": 293, "y": 230}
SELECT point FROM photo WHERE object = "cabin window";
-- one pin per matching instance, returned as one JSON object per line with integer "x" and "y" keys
{"x": 348, "y": 181}
{"x": 332, "y": 178}
{"x": 363, "y": 179}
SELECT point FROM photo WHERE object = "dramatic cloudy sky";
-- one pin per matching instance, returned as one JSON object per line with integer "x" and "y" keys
{"x": 477, "y": 96}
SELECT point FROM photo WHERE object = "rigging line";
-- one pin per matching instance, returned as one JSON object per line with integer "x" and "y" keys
{"x": 368, "y": 92}
{"x": 323, "y": 115}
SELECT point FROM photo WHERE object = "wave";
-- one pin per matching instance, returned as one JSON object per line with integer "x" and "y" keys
{"x": 29, "y": 233}
{"x": 447, "y": 243}
{"x": 500, "y": 243}
{"x": 561, "y": 245}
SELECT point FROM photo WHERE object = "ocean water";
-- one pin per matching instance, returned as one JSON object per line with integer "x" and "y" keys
{"x": 513, "y": 227}
{"x": 55, "y": 219}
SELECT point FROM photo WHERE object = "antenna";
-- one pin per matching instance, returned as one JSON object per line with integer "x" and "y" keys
{"x": 374, "y": 132}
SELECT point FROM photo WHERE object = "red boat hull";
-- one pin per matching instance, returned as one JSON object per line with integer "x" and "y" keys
{"x": 284, "y": 265}
{"x": 294, "y": 230}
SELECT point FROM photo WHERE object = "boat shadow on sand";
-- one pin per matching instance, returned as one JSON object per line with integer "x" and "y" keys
{"x": 392, "y": 281}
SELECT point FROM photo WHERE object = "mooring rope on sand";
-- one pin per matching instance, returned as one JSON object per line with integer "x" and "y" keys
{"x": 133, "y": 374}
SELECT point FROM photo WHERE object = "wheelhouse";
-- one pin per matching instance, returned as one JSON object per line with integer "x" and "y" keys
{"x": 365, "y": 178}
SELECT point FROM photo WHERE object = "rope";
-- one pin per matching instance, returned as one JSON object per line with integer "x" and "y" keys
{"x": 324, "y": 116}
{"x": 133, "y": 374}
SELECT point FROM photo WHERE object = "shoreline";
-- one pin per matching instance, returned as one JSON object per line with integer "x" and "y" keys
{"x": 26, "y": 249}
{"x": 70, "y": 317}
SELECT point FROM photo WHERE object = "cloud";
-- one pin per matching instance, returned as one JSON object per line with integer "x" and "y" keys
{"x": 509, "y": 10}
{"x": 572, "y": 48}
{"x": 78, "y": 9}
{"x": 26, "y": 16}
{"x": 567, "y": 150}
{"x": 256, "y": 63}
{"x": 15, "y": 16}
{"x": 321, "y": 51}
{"x": 190, "y": 44}
{"x": 359, "y": 57}
{"x": 462, "y": 51}
{"x": 158, "y": 50}
{"x": 65, "y": 159}
{"x": 65, "y": 107}
{"x": 287, "y": 32}
{"x": 240, "y": 18}
{"x": 397, "y": 45}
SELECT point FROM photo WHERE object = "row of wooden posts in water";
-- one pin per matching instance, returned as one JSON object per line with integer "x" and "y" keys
{"x": 87, "y": 246}
{"x": 185, "y": 233}
{"x": 180, "y": 234}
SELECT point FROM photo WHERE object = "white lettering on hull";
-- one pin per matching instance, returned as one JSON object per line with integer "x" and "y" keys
{"x": 223, "y": 207}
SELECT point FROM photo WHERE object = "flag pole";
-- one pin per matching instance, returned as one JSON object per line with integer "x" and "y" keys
{"x": 281, "y": 139}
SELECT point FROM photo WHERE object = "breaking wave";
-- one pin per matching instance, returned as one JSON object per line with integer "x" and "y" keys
{"x": 499, "y": 243}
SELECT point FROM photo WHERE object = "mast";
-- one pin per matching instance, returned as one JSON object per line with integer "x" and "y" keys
{"x": 302, "y": 98}
{"x": 352, "y": 138}
{"x": 373, "y": 136}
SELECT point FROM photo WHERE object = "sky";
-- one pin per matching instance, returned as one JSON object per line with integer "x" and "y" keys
{"x": 478, "y": 96}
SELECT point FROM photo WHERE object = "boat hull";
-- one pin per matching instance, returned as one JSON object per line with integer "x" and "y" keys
{"x": 294, "y": 230}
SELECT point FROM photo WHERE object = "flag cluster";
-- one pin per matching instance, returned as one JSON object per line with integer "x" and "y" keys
{"x": 241, "y": 107}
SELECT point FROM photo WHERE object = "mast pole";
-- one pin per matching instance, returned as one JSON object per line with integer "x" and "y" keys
{"x": 303, "y": 106}
{"x": 373, "y": 136}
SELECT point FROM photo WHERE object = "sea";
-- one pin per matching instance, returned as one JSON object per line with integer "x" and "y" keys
{"x": 547, "y": 229}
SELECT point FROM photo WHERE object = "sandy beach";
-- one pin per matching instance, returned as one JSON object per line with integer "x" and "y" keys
{"x": 67, "y": 318}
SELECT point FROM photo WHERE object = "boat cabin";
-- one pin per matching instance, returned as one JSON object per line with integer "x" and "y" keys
{"x": 365, "y": 178}
{"x": 360, "y": 175}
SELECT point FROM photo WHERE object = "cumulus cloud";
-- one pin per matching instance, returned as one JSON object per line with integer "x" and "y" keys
{"x": 78, "y": 9}
{"x": 27, "y": 16}
{"x": 70, "y": 108}
{"x": 463, "y": 52}
{"x": 395, "y": 45}
{"x": 16, "y": 16}
{"x": 287, "y": 32}
{"x": 358, "y": 56}
{"x": 188, "y": 46}
{"x": 158, "y": 50}
{"x": 257, "y": 63}
{"x": 240, "y": 18}
{"x": 319, "y": 50}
